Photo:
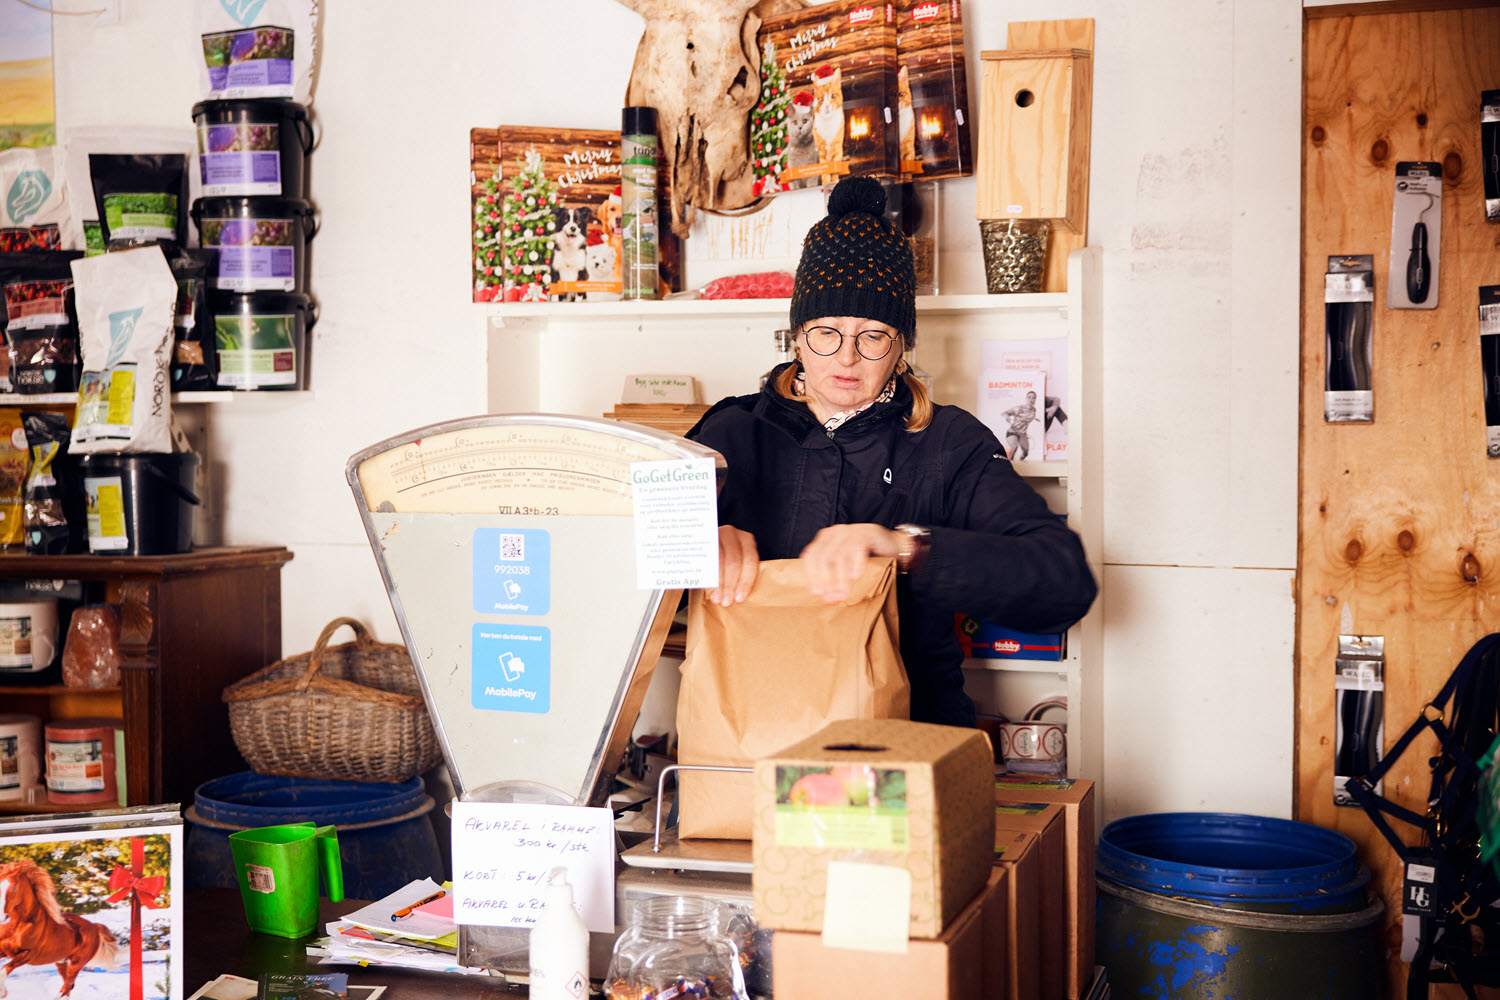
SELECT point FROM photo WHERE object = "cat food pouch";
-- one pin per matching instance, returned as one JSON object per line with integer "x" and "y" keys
{"x": 54, "y": 517}
{"x": 41, "y": 325}
{"x": 34, "y": 205}
{"x": 140, "y": 197}
{"x": 831, "y": 71}
{"x": 126, "y": 300}
{"x": 86, "y": 139}
{"x": 256, "y": 48}
{"x": 13, "y": 457}
{"x": 195, "y": 353}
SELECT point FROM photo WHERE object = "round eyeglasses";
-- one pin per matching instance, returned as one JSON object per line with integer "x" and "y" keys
{"x": 872, "y": 345}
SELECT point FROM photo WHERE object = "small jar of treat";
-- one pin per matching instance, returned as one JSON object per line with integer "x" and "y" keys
{"x": 673, "y": 949}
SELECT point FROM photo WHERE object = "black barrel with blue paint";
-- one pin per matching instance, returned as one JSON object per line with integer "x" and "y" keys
{"x": 1193, "y": 906}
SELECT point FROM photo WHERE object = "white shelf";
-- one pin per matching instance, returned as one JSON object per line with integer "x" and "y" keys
{"x": 1041, "y": 470}
{"x": 1035, "y": 302}
{"x": 1020, "y": 666}
{"x": 224, "y": 396}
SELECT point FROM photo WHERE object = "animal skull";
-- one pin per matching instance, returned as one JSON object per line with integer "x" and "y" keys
{"x": 698, "y": 66}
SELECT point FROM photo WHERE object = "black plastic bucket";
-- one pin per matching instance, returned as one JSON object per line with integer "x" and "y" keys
{"x": 139, "y": 505}
{"x": 262, "y": 242}
{"x": 253, "y": 146}
{"x": 262, "y": 338}
{"x": 1199, "y": 905}
{"x": 385, "y": 831}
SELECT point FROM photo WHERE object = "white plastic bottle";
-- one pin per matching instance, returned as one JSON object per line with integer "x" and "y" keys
{"x": 559, "y": 945}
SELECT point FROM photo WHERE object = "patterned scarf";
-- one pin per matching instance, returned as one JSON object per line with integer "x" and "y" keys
{"x": 843, "y": 416}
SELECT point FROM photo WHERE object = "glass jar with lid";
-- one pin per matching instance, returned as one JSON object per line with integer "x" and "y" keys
{"x": 673, "y": 948}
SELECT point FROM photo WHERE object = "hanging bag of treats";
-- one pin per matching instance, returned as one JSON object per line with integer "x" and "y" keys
{"x": 126, "y": 301}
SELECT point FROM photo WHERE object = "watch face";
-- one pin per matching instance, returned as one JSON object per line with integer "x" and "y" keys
{"x": 1052, "y": 743}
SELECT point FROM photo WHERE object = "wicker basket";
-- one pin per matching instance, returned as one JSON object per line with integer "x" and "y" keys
{"x": 352, "y": 712}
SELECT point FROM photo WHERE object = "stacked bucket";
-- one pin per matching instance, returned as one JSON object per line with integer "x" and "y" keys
{"x": 253, "y": 161}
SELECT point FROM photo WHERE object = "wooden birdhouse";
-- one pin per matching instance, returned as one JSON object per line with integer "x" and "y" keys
{"x": 1033, "y": 158}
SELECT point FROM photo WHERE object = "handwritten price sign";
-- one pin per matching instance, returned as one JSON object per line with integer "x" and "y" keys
{"x": 502, "y": 853}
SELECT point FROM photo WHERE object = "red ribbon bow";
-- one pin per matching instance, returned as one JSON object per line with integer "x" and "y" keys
{"x": 122, "y": 881}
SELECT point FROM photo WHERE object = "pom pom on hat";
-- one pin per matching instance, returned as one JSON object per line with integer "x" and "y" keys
{"x": 857, "y": 194}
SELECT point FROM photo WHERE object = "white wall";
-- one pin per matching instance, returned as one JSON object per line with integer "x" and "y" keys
{"x": 1194, "y": 199}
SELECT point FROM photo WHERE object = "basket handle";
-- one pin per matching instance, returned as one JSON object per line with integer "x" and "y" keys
{"x": 315, "y": 662}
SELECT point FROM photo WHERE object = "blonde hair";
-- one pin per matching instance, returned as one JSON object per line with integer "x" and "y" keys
{"x": 921, "y": 401}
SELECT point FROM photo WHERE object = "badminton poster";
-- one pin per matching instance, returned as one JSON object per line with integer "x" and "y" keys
{"x": 91, "y": 905}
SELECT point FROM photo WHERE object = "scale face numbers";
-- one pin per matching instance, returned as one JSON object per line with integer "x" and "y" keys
{"x": 520, "y": 466}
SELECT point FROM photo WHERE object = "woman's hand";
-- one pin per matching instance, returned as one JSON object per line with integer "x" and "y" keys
{"x": 739, "y": 563}
{"x": 837, "y": 555}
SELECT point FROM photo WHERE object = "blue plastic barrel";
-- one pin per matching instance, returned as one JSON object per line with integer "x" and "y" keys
{"x": 385, "y": 834}
{"x": 1206, "y": 905}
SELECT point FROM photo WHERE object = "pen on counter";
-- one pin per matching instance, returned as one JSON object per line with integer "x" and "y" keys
{"x": 405, "y": 911}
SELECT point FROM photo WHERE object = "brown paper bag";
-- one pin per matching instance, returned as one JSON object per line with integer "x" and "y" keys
{"x": 773, "y": 670}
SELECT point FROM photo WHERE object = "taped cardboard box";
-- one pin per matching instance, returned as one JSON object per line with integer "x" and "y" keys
{"x": 964, "y": 962}
{"x": 754, "y": 681}
{"x": 902, "y": 793}
{"x": 1046, "y": 822}
{"x": 831, "y": 69}
{"x": 1016, "y": 852}
{"x": 1076, "y": 797}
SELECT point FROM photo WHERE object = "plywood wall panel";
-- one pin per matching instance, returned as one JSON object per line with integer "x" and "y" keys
{"x": 1399, "y": 519}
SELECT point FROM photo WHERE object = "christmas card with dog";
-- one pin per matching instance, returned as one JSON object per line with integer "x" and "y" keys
{"x": 91, "y": 905}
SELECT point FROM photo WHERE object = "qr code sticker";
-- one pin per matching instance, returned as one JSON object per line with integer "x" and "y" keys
{"x": 513, "y": 548}
{"x": 261, "y": 878}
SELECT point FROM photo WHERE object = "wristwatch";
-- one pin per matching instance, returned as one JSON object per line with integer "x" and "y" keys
{"x": 915, "y": 541}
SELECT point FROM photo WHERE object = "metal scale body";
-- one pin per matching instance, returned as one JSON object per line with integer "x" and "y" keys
{"x": 506, "y": 543}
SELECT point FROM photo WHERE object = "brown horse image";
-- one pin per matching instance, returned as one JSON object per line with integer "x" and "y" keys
{"x": 34, "y": 931}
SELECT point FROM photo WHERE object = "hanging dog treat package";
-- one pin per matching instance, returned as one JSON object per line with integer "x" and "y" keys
{"x": 547, "y": 208}
{"x": 126, "y": 302}
{"x": 833, "y": 71}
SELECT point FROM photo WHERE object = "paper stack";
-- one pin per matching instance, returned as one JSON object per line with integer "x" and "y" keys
{"x": 412, "y": 928}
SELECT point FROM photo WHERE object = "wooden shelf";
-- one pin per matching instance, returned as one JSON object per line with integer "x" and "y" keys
{"x": 178, "y": 398}
{"x": 85, "y": 566}
{"x": 44, "y": 806}
{"x": 49, "y": 690}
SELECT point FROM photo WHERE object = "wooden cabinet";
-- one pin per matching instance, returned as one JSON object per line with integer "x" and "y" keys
{"x": 565, "y": 357}
{"x": 189, "y": 625}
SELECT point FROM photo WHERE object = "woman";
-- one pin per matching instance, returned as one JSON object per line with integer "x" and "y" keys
{"x": 843, "y": 456}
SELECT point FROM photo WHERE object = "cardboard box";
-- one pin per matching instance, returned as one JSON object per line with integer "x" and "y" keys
{"x": 1076, "y": 797}
{"x": 1017, "y": 853}
{"x": 965, "y": 962}
{"x": 902, "y": 792}
{"x": 932, "y": 109}
{"x": 569, "y": 245}
{"x": 831, "y": 68}
{"x": 1046, "y": 822}
{"x": 986, "y": 641}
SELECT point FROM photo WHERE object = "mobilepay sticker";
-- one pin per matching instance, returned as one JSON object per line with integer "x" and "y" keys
{"x": 512, "y": 571}
{"x": 512, "y": 668}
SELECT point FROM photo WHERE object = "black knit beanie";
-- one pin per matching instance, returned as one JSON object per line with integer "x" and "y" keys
{"x": 856, "y": 263}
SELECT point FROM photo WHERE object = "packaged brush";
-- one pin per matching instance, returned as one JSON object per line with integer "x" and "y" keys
{"x": 140, "y": 198}
{"x": 41, "y": 325}
{"x": 1489, "y": 358}
{"x": 257, "y": 48}
{"x": 1416, "y": 236}
{"x": 126, "y": 301}
{"x": 1348, "y": 315}
{"x": 1359, "y": 725}
{"x": 1489, "y": 150}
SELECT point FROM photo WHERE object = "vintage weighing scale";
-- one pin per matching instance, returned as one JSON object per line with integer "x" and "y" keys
{"x": 507, "y": 545}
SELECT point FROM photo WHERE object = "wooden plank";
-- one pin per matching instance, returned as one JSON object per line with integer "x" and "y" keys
{"x": 1394, "y": 7}
{"x": 1074, "y": 33}
{"x": 1398, "y": 534}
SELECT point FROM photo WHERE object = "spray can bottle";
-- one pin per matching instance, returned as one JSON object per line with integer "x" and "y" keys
{"x": 638, "y": 148}
{"x": 559, "y": 955}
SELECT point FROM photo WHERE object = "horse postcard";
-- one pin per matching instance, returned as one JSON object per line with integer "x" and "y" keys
{"x": 91, "y": 905}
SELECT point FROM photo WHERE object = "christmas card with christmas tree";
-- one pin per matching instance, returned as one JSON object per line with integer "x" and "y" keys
{"x": 91, "y": 905}
{"x": 827, "y": 98}
{"x": 932, "y": 104}
{"x": 546, "y": 213}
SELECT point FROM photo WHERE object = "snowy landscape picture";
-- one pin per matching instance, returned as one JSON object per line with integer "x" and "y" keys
{"x": 90, "y": 914}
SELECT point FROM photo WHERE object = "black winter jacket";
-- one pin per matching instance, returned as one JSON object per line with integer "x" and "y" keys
{"x": 996, "y": 551}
